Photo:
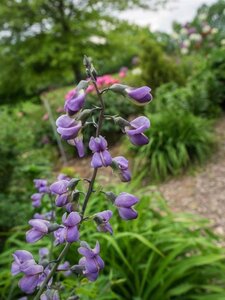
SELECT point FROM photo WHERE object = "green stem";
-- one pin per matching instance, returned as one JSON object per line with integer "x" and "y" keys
{"x": 47, "y": 279}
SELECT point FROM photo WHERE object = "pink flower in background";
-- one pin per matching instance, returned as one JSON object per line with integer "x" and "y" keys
{"x": 45, "y": 117}
{"x": 123, "y": 72}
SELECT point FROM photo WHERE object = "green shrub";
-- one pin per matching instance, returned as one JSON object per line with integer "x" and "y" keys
{"x": 23, "y": 157}
{"x": 156, "y": 67}
{"x": 177, "y": 140}
{"x": 216, "y": 64}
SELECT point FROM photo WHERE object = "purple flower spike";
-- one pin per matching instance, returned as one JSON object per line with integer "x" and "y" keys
{"x": 91, "y": 262}
{"x": 36, "y": 199}
{"x": 74, "y": 103}
{"x": 68, "y": 127}
{"x": 60, "y": 188}
{"x": 140, "y": 96}
{"x": 124, "y": 203}
{"x": 71, "y": 223}
{"x": 24, "y": 262}
{"x": 136, "y": 129}
{"x": 101, "y": 156}
{"x": 102, "y": 219}
{"x": 122, "y": 167}
{"x": 40, "y": 228}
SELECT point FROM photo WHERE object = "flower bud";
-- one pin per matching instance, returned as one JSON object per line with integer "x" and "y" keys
{"x": 122, "y": 123}
{"x": 85, "y": 114}
{"x": 53, "y": 227}
{"x": 111, "y": 196}
{"x": 82, "y": 85}
{"x": 73, "y": 183}
{"x": 118, "y": 88}
{"x": 78, "y": 269}
{"x": 75, "y": 196}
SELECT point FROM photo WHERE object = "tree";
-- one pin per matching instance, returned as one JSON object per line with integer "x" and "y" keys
{"x": 42, "y": 40}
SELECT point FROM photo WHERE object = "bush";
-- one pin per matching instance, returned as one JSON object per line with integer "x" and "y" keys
{"x": 156, "y": 67}
{"x": 23, "y": 157}
{"x": 177, "y": 139}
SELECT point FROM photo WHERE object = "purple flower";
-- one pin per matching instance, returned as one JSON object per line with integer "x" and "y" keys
{"x": 78, "y": 143}
{"x": 63, "y": 177}
{"x": 68, "y": 127}
{"x": 121, "y": 164}
{"x": 60, "y": 236}
{"x": 24, "y": 262}
{"x": 91, "y": 262}
{"x": 124, "y": 203}
{"x": 101, "y": 156}
{"x": 41, "y": 185}
{"x": 40, "y": 228}
{"x": 140, "y": 95}
{"x": 65, "y": 267}
{"x": 136, "y": 129}
{"x": 36, "y": 199}
{"x": 102, "y": 220}
{"x": 75, "y": 102}
{"x": 46, "y": 216}
{"x": 60, "y": 188}
{"x": 71, "y": 223}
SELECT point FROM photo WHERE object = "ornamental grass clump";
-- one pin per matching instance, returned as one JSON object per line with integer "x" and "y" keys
{"x": 69, "y": 199}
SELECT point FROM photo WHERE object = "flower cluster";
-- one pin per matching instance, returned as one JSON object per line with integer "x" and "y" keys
{"x": 67, "y": 202}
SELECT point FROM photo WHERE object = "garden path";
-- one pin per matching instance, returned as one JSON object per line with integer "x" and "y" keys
{"x": 203, "y": 192}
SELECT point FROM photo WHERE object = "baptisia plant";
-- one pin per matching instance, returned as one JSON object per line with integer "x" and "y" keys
{"x": 67, "y": 215}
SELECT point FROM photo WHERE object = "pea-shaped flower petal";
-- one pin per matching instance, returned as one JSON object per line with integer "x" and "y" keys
{"x": 68, "y": 127}
{"x": 140, "y": 96}
{"x": 74, "y": 103}
{"x": 136, "y": 129}
{"x": 40, "y": 228}
{"x": 124, "y": 203}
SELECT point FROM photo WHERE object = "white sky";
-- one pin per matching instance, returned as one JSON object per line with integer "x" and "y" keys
{"x": 180, "y": 10}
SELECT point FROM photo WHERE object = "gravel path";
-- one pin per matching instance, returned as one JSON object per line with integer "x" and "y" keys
{"x": 204, "y": 192}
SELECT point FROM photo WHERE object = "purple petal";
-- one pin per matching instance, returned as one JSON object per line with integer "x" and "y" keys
{"x": 22, "y": 255}
{"x": 140, "y": 95}
{"x": 33, "y": 235}
{"x": 125, "y": 200}
{"x": 127, "y": 213}
{"x": 31, "y": 268}
{"x": 139, "y": 139}
{"x": 96, "y": 249}
{"x": 39, "y": 225}
{"x": 72, "y": 234}
{"x": 139, "y": 125}
{"x": 61, "y": 200}
{"x": 98, "y": 144}
{"x": 105, "y": 215}
{"x": 15, "y": 268}
{"x": 64, "y": 121}
{"x": 125, "y": 175}
{"x": 122, "y": 162}
{"x": 91, "y": 265}
{"x": 28, "y": 283}
{"x": 86, "y": 252}
{"x": 69, "y": 133}
{"x": 59, "y": 187}
{"x": 92, "y": 276}
{"x": 76, "y": 103}
{"x": 100, "y": 262}
{"x": 72, "y": 219}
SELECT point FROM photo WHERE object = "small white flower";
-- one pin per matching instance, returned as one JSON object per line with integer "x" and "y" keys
{"x": 195, "y": 37}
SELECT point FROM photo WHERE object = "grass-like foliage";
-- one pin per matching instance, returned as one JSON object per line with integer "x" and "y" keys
{"x": 177, "y": 139}
{"x": 163, "y": 256}
{"x": 159, "y": 256}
